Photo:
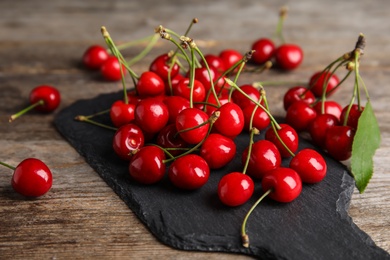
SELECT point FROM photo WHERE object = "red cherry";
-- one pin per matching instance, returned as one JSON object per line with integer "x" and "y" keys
{"x": 288, "y": 135}
{"x": 235, "y": 189}
{"x": 331, "y": 107}
{"x": 168, "y": 138}
{"x": 175, "y": 105}
{"x": 150, "y": 85}
{"x": 202, "y": 75}
{"x": 230, "y": 57}
{"x": 110, "y": 69}
{"x": 264, "y": 157}
{"x": 212, "y": 104}
{"x": 231, "y": 120}
{"x": 260, "y": 120}
{"x": 353, "y": 117}
{"x": 161, "y": 66}
{"x": 299, "y": 115}
{"x": 217, "y": 150}
{"x": 288, "y": 56}
{"x": 94, "y": 57}
{"x": 338, "y": 142}
{"x": 127, "y": 139}
{"x": 192, "y": 118}
{"x": 151, "y": 115}
{"x": 121, "y": 113}
{"x": 189, "y": 172}
{"x": 264, "y": 50}
{"x": 310, "y": 165}
{"x": 215, "y": 62}
{"x": 319, "y": 126}
{"x": 174, "y": 81}
{"x": 317, "y": 81}
{"x": 242, "y": 100}
{"x": 285, "y": 183}
{"x": 32, "y": 178}
{"x": 184, "y": 90}
{"x": 297, "y": 93}
{"x": 147, "y": 165}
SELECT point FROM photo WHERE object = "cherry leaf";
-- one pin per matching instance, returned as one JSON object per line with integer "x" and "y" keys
{"x": 367, "y": 139}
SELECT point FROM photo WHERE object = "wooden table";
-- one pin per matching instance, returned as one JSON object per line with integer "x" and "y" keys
{"x": 41, "y": 42}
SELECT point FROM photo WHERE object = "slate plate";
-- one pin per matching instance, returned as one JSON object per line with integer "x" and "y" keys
{"x": 314, "y": 226}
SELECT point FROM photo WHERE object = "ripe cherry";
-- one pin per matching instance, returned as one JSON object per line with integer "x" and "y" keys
{"x": 94, "y": 57}
{"x": 235, "y": 188}
{"x": 264, "y": 50}
{"x": 202, "y": 75}
{"x": 151, "y": 115}
{"x": 127, "y": 139}
{"x": 299, "y": 115}
{"x": 319, "y": 126}
{"x": 230, "y": 57}
{"x": 192, "y": 125}
{"x": 184, "y": 90}
{"x": 310, "y": 165}
{"x": 215, "y": 62}
{"x": 288, "y": 56}
{"x": 42, "y": 98}
{"x": 264, "y": 157}
{"x": 288, "y": 135}
{"x": 212, "y": 104}
{"x": 297, "y": 93}
{"x": 338, "y": 142}
{"x": 121, "y": 113}
{"x": 147, "y": 165}
{"x": 168, "y": 138}
{"x": 231, "y": 120}
{"x": 217, "y": 150}
{"x": 175, "y": 105}
{"x": 260, "y": 120}
{"x": 330, "y": 107}
{"x": 174, "y": 81}
{"x": 150, "y": 85}
{"x": 162, "y": 67}
{"x": 110, "y": 69}
{"x": 242, "y": 100}
{"x": 354, "y": 115}
{"x": 319, "y": 79}
{"x": 189, "y": 172}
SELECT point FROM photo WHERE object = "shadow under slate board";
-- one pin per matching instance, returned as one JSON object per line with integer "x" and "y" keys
{"x": 314, "y": 226}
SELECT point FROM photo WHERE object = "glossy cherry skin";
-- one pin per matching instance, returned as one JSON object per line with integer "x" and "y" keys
{"x": 127, "y": 139}
{"x": 297, "y": 93}
{"x": 310, "y": 165}
{"x": 288, "y": 56}
{"x": 338, "y": 142}
{"x": 147, "y": 165}
{"x": 121, "y": 113}
{"x": 50, "y": 95}
{"x": 212, "y": 102}
{"x": 230, "y": 57}
{"x": 217, "y": 150}
{"x": 288, "y": 135}
{"x": 175, "y": 105}
{"x": 235, "y": 188}
{"x": 202, "y": 75}
{"x": 264, "y": 157}
{"x": 192, "y": 118}
{"x": 299, "y": 115}
{"x": 183, "y": 89}
{"x": 319, "y": 126}
{"x": 353, "y": 117}
{"x": 260, "y": 120}
{"x": 151, "y": 115}
{"x": 94, "y": 57}
{"x": 162, "y": 67}
{"x": 110, "y": 69}
{"x": 264, "y": 50}
{"x": 231, "y": 120}
{"x": 174, "y": 82}
{"x": 189, "y": 172}
{"x": 32, "y": 178}
{"x": 242, "y": 100}
{"x": 285, "y": 183}
{"x": 215, "y": 62}
{"x": 317, "y": 81}
{"x": 168, "y": 138}
{"x": 330, "y": 107}
{"x": 150, "y": 85}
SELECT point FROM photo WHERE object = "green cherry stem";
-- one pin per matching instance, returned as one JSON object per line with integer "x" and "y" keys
{"x": 279, "y": 27}
{"x": 24, "y": 111}
{"x": 254, "y": 131}
{"x": 145, "y": 51}
{"x": 82, "y": 118}
{"x": 7, "y": 165}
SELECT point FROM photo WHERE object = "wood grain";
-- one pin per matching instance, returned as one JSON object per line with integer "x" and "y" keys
{"x": 81, "y": 217}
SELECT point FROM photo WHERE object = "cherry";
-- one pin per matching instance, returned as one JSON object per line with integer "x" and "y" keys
{"x": 297, "y": 93}
{"x": 192, "y": 125}
{"x": 338, "y": 142}
{"x": 94, "y": 57}
{"x": 215, "y": 62}
{"x": 217, "y": 150}
{"x": 147, "y": 165}
{"x": 174, "y": 81}
{"x": 319, "y": 79}
{"x": 150, "y": 84}
{"x": 289, "y": 137}
{"x": 189, "y": 172}
{"x": 319, "y": 126}
{"x": 31, "y": 177}
{"x": 202, "y": 75}
{"x": 121, "y": 113}
{"x": 168, "y": 138}
{"x": 242, "y": 100}
{"x": 264, "y": 157}
{"x": 42, "y": 98}
{"x": 235, "y": 188}
{"x": 310, "y": 165}
{"x": 175, "y": 105}
{"x": 231, "y": 120}
{"x": 127, "y": 139}
{"x": 110, "y": 69}
{"x": 184, "y": 90}
{"x": 264, "y": 50}
{"x": 299, "y": 115}
{"x": 212, "y": 104}
{"x": 260, "y": 120}
{"x": 330, "y": 107}
{"x": 161, "y": 66}
{"x": 353, "y": 117}
{"x": 288, "y": 56}
{"x": 151, "y": 115}
{"x": 230, "y": 57}
{"x": 284, "y": 183}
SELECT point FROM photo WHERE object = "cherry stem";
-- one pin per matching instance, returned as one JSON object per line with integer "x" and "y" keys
{"x": 260, "y": 69}
{"x": 24, "y": 111}
{"x": 279, "y": 28}
{"x": 126, "y": 45}
{"x": 254, "y": 131}
{"x": 192, "y": 78}
{"x": 244, "y": 235}
{"x": 7, "y": 165}
{"x": 98, "y": 113}
{"x": 194, "y": 21}
{"x": 86, "y": 119}
{"x": 145, "y": 51}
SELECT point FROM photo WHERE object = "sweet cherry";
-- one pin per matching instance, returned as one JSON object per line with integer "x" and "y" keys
{"x": 297, "y": 93}
{"x": 230, "y": 57}
{"x": 151, "y": 115}
{"x": 127, "y": 139}
{"x": 110, "y": 69}
{"x": 175, "y": 105}
{"x": 264, "y": 50}
{"x": 94, "y": 57}
{"x": 242, "y": 100}
{"x": 288, "y": 56}
{"x": 354, "y": 115}
{"x": 162, "y": 67}
{"x": 121, "y": 113}
{"x": 260, "y": 120}
{"x": 215, "y": 62}
{"x": 299, "y": 115}
{"x": 321, "y": 80}
{"x": 310, "y": 165}
{"x": 235, "y": 188}
{"x": 217, "y": 150}
{"x": 231, "y": 120}
{"x": 168, "y": 138}
{"x": 192, "y": 125}
{"x": 289, "y": 137}
{"x": 330, "y": 107}
{"x": 338, "y": 142}
{"x": 184, "y": 90}
{"x": 150, "y": 85}
{"x": 319, "y": 126}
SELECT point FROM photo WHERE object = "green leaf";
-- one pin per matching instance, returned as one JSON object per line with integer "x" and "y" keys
{"x": 367, "y": 139}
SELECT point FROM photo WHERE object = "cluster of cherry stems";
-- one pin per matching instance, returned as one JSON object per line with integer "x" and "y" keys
{"x": 191, "y": 121}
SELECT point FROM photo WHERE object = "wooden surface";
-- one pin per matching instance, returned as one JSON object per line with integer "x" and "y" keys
{"x": 41, "y": 42}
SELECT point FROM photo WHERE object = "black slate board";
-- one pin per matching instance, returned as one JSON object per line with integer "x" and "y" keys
{"x": 314, "y": 226}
